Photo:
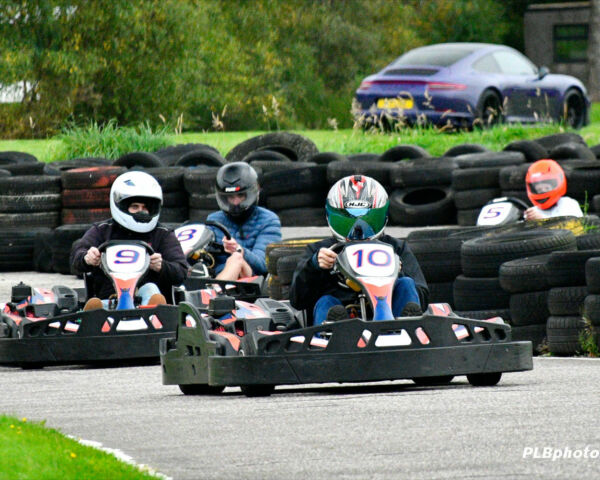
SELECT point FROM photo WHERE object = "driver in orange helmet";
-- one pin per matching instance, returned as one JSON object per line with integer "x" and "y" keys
{"x": 546, "y": 187}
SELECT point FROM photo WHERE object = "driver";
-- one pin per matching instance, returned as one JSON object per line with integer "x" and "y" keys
{"x": 135, "y": 201}
{"x": 546, "y": 187}
{"x": 252, "y": 227}
{"x": 356, "y": 209}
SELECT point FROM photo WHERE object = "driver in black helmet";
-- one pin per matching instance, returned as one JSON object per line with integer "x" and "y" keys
{"x": 252, "y": 227}
{"x": 357, "y": 209}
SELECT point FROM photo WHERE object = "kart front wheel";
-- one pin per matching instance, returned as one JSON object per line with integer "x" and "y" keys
{"x": 484, "y": 379}
{"x": 428, "y": 381}
{"x": 257, "y": 390}
{"x": 200, "y": 389}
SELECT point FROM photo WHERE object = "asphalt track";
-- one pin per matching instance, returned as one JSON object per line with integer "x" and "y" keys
{"x": 538, "y": 424}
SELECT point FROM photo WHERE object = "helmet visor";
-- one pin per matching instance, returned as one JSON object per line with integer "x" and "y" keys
{"x": 543, "y": 186}
{"x": 357, "y": 223}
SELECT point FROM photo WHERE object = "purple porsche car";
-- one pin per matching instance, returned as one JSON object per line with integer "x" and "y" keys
{"x": 467, "y": 84}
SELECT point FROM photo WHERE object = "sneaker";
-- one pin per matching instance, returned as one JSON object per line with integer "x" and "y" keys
{"x": 157, "y": 299}
{"x": 411, "y": 309}
{"x": 337, "y": 312}
{"x": 93, "y": 303}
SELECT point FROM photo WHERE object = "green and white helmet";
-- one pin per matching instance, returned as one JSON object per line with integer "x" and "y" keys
{"x": 357, "y": 208}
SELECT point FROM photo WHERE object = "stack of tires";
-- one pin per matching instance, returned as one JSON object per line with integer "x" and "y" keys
{"x": 591, "y": 311}
{"x": 477, "y": 181}
{"x": 566, "y": 273}
{"x": 85, "y": 194}
{"x": 199, "y": 183}
{"x": 479, "y": 288}
{"x": 61, "y": 241}
{"x": 175, "y": 198}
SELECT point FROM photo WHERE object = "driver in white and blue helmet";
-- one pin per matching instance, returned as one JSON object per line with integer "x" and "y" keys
{"x": 356, "y": 209}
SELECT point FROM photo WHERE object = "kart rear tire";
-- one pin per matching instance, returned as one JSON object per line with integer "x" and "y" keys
{"x": 257, "y": 390}
{"x": 200, "y": 389}
{"x": 430, "y": 381}
{"x": 484, "y": 379}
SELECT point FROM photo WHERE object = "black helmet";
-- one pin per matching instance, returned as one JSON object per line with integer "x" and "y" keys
{"x": 237, "y": 178}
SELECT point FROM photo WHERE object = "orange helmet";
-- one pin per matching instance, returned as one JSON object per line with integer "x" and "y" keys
{"x": 546, "y": 183}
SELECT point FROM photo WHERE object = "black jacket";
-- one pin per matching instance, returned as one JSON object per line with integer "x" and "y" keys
{"x": 161, "y": 239}
{"x": 311, "y": 282}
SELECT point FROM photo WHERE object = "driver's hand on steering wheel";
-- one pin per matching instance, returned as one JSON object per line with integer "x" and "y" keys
{"x": 156, "y": 262}
{"x": 92, "y": 257}
{"x": 231, "y": 246}
{"x": 532, "y": 214}
{"x": 326, "y": 258}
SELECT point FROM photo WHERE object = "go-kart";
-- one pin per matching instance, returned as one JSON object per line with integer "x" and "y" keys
{"x": 199, "y": 246}
{"x": 41, "y": 327}
{"x": 221, "y": 343}
{"x": 501, "y": 211}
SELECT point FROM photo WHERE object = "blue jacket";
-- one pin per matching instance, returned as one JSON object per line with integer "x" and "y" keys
{"x": 261, "y": 228}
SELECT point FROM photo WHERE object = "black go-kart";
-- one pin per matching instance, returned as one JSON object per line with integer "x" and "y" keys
{"x": 223, "y": 341}
{"x": 41, "y": 327}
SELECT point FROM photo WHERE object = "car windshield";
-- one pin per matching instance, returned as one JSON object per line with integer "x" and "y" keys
{"x": 441, "y": 56}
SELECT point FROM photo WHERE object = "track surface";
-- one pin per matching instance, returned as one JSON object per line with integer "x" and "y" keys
{"x": 380, "y": 431}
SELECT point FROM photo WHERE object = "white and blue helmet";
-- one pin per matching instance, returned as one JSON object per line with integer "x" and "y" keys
{"x": 133, "y": 187}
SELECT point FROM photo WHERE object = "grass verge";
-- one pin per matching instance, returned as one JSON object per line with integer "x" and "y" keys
{"x": 31, "y": 451}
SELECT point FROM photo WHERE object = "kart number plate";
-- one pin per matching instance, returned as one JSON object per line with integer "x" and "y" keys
{"x": 371, "y": 260}
{"x": 189, "y": 236}
{"x": 126, "y": 258}
{"x": 395, "y": 103}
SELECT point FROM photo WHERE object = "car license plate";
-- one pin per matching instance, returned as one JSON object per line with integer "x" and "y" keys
{"x": 395, "y": 103}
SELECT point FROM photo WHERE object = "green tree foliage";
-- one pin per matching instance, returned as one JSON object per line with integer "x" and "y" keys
{"x": 253, "y": 64}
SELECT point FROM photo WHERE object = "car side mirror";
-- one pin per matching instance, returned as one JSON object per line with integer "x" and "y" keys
{"x": 542, "y": 72}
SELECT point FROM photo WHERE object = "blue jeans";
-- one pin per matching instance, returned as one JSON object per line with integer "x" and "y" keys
{"x": 145, "y": 292}
{"x": 404, "y": 291}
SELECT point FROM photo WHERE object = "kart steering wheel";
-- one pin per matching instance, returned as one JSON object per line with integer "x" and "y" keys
{"x": 214, "y": 246}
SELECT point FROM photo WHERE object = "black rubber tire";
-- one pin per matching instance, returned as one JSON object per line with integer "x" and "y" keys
{"x": 464, "y": 148}
{"x": 592, "y": 275}
{"x": 563, "y": 334}
{"x": 422, "y": 206}
{"x": 86, "y": 198}
{"x": 200, "y": 389}
{"x": 170, "y": 155}
{"x": 513, "y": 177}
{"x": 30, "y": 185}
{"x": 482, "y": 257}
{"x": 596, "y": 150}
{"x": 303, "y": 217}
{"x": 324, "y": 158}
{"x": 475, "y": 178}
{"x": 201, "y": 157}
{"x": 30, "y": 203}
{"x": 173, "y": 215}
{"x": 56, "y": 168}
{"x": 175, "y": 199}
{"x": 591, "y": 309}
{"x": 536, "y": 334}
{"x": 529, "y": 308}
{"x": 533, "y": 151}
{"x": 364, "y": 157}
{"x": 138, "y": 159}
{"x": 574, "y": 109}
{"x": 377, "y": 170}
{"x": 26, "y": 168}
{"x": 571, "y": 150}
{"x": 584, "y": 181}
{"x": 295, "y": 180}
{"x": 198, "y": 214}
{"x": 170, "y": 179}
{"x": 489, "y": 111}
{"x": 286, "y": 267}
{"x": 503, "y": 313}
{"x": 72, "y": 216}
{"x": 36, "y": 219}
{"x": 441, "y": 292}
{"x": 524, "y": 274}
{"x": 296, "y": 200}
{"x": 589, "y": 241}
{"x": 90, "y": 177}
{"x": 42, "y": 251}
{"x": 467, "y": 217}
{"x": 566, "y": 300}
{"x": 422, "y": 172}
{"x": 204, "y": 201}
{"x": 490, "y": 159}
{"x": 475, "y": 198}
{"x": 295, "y": 147}
{"x": 403, "y": 152}
{"x": 10, "y": 157}
{"x": 275, "y": 254}
{"x": 484, "y": 379}
{"x": 200, "y": 180}
{"x": 565, "y": 269}
{"x": 270, "y": 156}
{"x": 479, "y": 293}
{"x": 551, "y": 141}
